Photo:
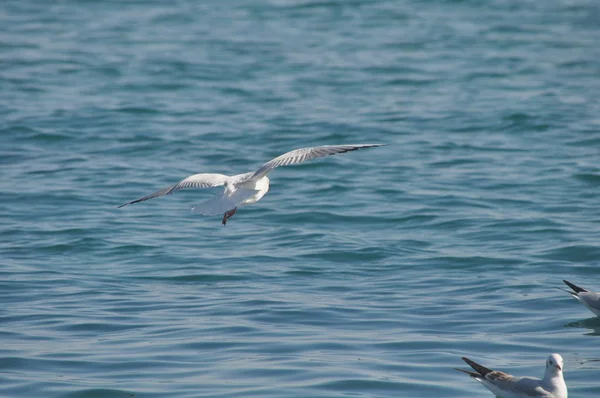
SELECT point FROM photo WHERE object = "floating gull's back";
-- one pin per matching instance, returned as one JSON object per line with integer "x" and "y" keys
{"x": 506, "y": 386}
{"x": 247, "y": 188}
{"x": 585, "y": 297}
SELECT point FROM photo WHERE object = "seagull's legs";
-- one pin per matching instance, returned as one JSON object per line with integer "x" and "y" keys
{"x": 227, "y": 215}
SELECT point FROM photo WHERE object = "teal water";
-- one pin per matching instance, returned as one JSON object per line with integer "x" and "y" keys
{"x": 367, "y": 274}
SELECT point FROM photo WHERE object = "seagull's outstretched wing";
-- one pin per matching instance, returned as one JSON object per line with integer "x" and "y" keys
{"x": 196, "y": 181}
{"x": 303, "y": 154}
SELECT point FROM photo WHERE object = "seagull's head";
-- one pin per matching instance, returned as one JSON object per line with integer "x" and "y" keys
{"x": 229, "y": 186}
{"x": 554, "y": 363}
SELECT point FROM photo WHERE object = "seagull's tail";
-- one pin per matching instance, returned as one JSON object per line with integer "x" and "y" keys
{"x": 219, "y": 204}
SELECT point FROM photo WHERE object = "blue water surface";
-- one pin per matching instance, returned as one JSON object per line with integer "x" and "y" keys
{"x": 367, "y": 274}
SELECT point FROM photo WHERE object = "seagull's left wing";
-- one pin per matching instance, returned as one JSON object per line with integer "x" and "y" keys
{"x": 303, "y": 154}
{"x": 195, "y": 181}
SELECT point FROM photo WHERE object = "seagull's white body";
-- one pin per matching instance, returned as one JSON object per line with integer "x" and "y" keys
{"x": 590, "y": 299}
{"x": 507, "y": 386}
{"x": 239, "y": 190}
{"x": 247, "y": 188}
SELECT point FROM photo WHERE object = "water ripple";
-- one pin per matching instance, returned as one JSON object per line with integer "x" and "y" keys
{"x": 367, "y": 274}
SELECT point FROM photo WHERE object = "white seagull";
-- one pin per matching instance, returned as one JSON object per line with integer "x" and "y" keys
{"x": 247, "y": 188}
{"x": 506, "y": 386}
{"x": 585, "y": 297}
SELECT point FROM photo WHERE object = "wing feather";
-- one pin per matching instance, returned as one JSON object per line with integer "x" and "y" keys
{"x": 303, "y": 154}
{"x": 482, "y": 370}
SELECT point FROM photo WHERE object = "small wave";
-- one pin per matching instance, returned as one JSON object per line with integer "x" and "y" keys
{"x": 99, "y": 393}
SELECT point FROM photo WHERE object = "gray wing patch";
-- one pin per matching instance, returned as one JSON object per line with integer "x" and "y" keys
{"x": 498, "y": 376}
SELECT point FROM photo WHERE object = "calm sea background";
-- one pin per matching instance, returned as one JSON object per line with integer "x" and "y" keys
{"x": 367, "y": 274}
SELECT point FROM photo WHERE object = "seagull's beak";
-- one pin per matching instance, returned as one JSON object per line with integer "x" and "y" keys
{"x": 558, "y": 367}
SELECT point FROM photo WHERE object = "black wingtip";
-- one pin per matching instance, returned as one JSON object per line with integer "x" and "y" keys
{"x": 575, "y": 288}
{"x": 472, "y": 374}
{"x": 481, "y": 370}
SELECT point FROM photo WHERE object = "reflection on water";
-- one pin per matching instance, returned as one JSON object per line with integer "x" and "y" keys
{"x": 590, "y": 323}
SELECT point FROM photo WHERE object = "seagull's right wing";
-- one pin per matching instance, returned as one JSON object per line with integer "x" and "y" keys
{"x": 196, "y": 181}
{"x": 529, "y": 386}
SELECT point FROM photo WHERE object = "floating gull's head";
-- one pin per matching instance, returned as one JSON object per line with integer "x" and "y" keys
{"x": 554, "y": 364}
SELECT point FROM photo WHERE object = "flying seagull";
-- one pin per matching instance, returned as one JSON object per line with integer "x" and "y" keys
{"x": 247, "y": 188}
{"x": 585, "y": 297}
{"x": 506, "y": 386}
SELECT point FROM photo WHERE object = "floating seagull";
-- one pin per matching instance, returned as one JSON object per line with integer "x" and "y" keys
{"x": 507, "y": 386}
{"x": 247, "y": 188}
{"x": 585, "y": 297}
